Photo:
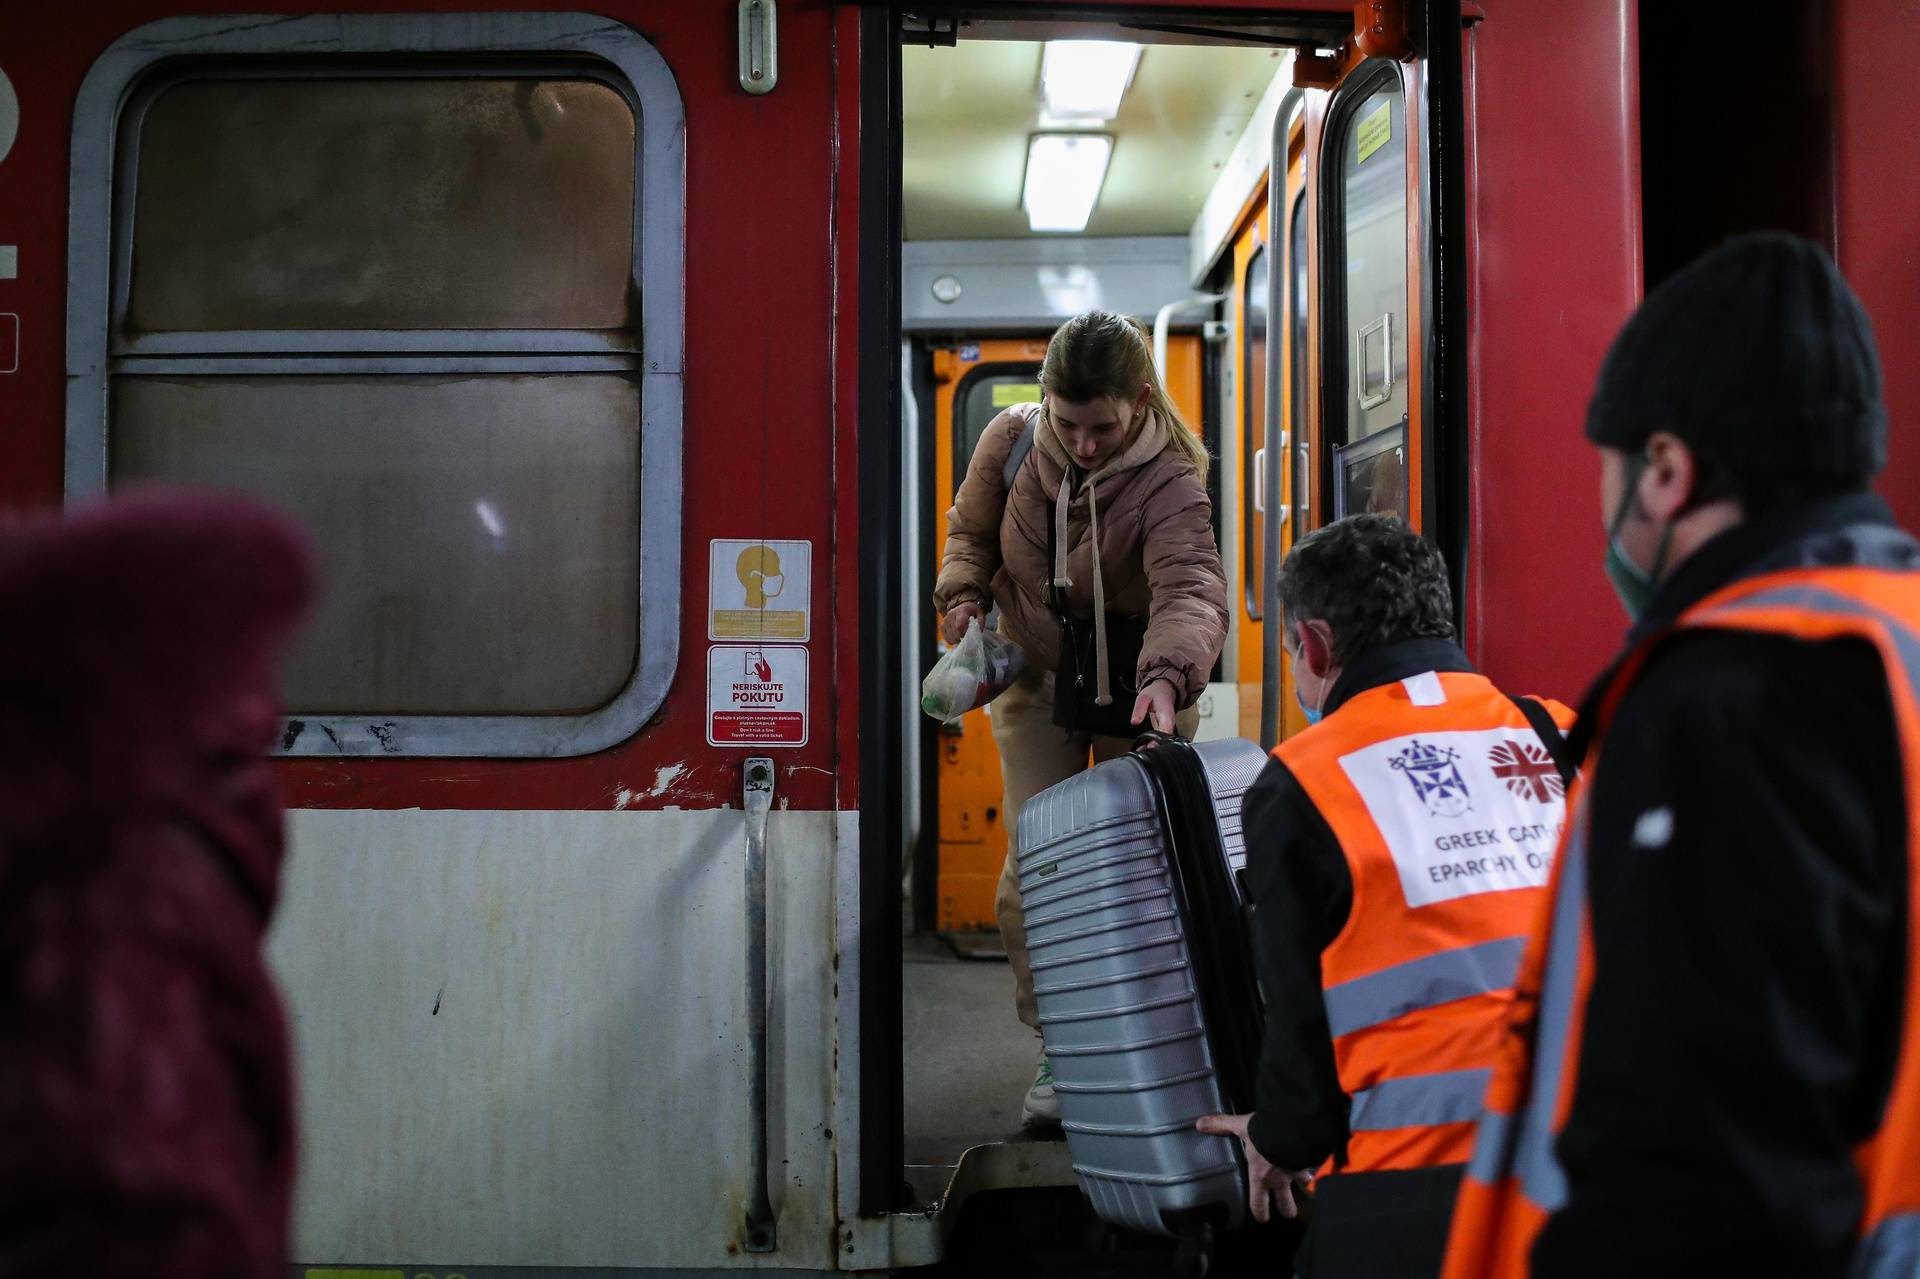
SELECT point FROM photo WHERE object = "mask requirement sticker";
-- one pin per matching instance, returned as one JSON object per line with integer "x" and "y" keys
{"x": 759, "y": 590}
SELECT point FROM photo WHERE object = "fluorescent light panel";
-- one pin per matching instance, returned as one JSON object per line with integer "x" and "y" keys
{"x": 1082, "y": 81}
{"x": 1064, "y": 175}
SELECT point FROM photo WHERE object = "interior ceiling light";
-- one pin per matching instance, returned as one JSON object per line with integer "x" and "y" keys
{"x": 1082, "y": 81}
{"x": 1064, "y": 174}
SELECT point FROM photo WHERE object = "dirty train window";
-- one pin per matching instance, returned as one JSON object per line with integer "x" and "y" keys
{"x": 401, "y": 309}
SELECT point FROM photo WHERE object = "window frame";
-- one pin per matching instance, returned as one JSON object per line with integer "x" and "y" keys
{"x": 142, "y": 63}
{"x": 125, "y": 345}
{"x": 1336, "y": 350}
{"x": 968, "y": 381}
{"x": 1366, "y": 449}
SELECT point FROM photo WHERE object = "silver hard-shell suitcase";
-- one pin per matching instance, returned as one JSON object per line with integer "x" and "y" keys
{"x": 1143, "y": 975}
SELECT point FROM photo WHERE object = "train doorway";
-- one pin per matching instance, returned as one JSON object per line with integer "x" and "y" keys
{"x": 1174, "y": 228}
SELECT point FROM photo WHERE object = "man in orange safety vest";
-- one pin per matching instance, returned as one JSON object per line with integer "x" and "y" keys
{"x": 1713, "y": 1066}
{"x": 1397, "y": 853}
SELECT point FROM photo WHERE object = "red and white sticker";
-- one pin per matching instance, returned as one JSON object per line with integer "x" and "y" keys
{"x": 757, "y": 695}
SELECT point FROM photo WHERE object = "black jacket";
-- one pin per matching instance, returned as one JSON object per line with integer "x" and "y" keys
{"x": 1373, "y": 1224}
{"x": 1741, "y": 1031}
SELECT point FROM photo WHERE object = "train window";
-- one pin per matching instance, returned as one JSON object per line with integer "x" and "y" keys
{"x": 417, "y": 281}
{"x": 1373, "y": 476}
{"x": 1372, "y": 243}
{"x": 383, "y": 204}
{"x": 516, "y": 501}
{"x": 1253, "y": 424}
{"x": 984, "y": 396}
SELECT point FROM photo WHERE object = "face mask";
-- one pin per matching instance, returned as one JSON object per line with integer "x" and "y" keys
{"x": 1313, "y": 713}
{"x": 1635, "y": 586}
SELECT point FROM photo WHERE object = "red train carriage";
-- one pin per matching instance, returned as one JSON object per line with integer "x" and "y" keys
{"x": 576, "y": 340}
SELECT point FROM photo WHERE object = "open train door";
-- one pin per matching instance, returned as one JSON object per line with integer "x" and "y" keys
{"x": 1372, "y": 406}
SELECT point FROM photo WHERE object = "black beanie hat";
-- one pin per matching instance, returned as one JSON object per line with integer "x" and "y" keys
{"x": 1758, "y": 356}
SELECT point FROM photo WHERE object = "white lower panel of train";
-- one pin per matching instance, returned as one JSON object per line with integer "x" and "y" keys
{"x": 521, "y": 1037}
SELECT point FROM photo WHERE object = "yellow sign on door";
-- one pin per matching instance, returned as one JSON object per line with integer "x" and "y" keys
{"x": 1374, "y": 130}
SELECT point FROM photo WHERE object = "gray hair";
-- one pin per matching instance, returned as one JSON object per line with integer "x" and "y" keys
{"x": 1372, "y": 579}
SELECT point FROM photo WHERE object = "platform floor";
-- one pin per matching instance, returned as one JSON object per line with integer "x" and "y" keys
{"x": 967, "y": 1067}
{"x": 968, "y": 1060}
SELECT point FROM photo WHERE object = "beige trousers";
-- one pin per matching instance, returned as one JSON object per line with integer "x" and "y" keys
{"x": 1035, "y": 753}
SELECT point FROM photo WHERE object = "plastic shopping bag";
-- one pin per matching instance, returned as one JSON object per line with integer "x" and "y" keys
{"x": 971, "y": 673}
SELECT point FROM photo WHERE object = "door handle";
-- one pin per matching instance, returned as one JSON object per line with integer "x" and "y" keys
{"x": 759, "y": 46}
{"x": 757, "y": 799}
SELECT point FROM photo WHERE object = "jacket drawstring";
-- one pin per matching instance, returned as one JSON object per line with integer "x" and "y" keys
{"x": 1147, "y": 441}
{"x": 1103, "y": 690}
{"x": 1060, "y": 579}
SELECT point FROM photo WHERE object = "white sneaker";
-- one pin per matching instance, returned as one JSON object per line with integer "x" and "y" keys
{"x": 1041, "y": 1108}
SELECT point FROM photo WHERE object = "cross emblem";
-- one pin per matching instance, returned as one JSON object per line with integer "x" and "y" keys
{"x": 1435, "y": 778}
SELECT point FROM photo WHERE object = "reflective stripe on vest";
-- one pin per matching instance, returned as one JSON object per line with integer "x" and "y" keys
{"x": 1521, "y": 1146}
{"x": 1819, "y": 599}
{"x": 1513, "y": 1180}
{"x": 1423, "y": 983}
{"x": 1892, "y": 1251}
{"x": 1445, "y": 1097}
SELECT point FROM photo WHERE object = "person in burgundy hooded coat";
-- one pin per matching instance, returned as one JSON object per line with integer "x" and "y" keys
{"x": 146, "y": 1121}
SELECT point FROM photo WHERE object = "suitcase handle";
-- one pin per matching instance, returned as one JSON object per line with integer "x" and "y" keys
{"x": 1204, "y": 894}
{"x": 1152, "y": 737}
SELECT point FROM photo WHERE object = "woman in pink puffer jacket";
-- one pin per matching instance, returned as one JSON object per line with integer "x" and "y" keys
{"x": 1113, "y": 484}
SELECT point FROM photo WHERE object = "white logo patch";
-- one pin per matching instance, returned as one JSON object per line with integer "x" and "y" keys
{"x": 1654, "y": 828}
{"x": 1462, "y": 812}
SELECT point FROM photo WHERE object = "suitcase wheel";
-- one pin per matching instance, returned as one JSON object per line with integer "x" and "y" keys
{"x": 1193, "y": 1255}
{"x": 1102, "y": 1240}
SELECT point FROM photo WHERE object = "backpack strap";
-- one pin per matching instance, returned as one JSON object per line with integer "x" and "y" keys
{"x": 1550, "y": 737}
{"x": 1022, "y": 445}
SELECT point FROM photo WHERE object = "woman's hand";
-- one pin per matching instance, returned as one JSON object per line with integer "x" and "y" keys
{"x": 1154, "y": 705}
{"x": 953, "y": 627}
{"x": 1263, "y": 1179}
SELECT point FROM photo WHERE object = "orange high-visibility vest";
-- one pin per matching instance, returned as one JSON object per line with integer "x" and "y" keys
{"x": 1515, "y": 1181}
{"x": 1447, "y": 808}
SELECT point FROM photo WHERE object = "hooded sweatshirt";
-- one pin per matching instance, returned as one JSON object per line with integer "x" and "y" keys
{"x": 1135, "y": 537}
{"x": 145, "y": 1089}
